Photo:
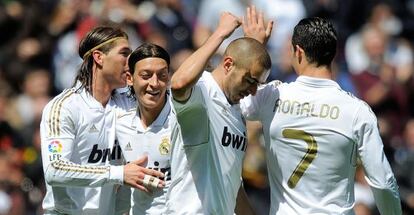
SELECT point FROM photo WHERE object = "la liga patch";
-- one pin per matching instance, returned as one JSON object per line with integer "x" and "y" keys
{"x": 55, "y": 146}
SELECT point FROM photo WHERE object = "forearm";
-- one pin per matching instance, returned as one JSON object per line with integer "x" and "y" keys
{"x": 66, "y": 173}
{"x": 190, "y": 71}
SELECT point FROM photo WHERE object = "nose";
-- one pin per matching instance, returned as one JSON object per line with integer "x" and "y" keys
{"x": 154, "y": 80}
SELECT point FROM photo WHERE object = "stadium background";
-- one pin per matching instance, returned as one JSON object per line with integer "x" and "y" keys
{"x": 38, "y": 59}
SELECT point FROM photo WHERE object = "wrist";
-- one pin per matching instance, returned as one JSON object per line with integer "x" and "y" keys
{"x": 116, "y": 174}
{"x": 220, "y": 35}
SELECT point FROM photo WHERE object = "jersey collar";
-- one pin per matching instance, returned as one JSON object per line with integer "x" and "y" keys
{"x": 159, "y": 121}
{"x": 316, "y": 82}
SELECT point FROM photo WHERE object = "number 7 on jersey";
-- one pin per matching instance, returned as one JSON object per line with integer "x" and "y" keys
{"x": 306, "y": 159}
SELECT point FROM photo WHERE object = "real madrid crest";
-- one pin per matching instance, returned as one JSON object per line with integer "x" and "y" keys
{"x": 164, "y": 147}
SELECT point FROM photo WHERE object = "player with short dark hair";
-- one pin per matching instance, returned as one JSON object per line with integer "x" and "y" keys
{"x": 315, "y": 132}
{"x": 144, "y": 123}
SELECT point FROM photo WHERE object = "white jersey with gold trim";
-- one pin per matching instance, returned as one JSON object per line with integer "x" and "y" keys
{"x": 79, "y": 155}
{"x": 153, "y": 141}
{"x": 314, "y": 133}
{"x": 208, "y": 148}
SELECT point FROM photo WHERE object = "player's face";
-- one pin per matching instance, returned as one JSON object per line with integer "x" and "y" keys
{"x": 114, "y": 64}
{"x": 150, "y": 82}
{"x": 244, "y": 81}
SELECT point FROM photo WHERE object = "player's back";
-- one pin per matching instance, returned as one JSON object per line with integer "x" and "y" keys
{"x": 312, "y": 148}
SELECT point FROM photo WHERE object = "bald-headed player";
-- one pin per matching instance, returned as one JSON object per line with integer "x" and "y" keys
{"x": 209, "y": 147}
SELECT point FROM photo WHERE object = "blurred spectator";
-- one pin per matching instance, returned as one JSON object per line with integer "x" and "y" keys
{"x": 35, "y": 95}
{"x": 376, "y": 44}
{"x": 375, "y": 62}
{"x": 169, "y": 21}
{"x": 208, "y": 17}
{"x": 178, "y": 58}
{"x": 286, "y": 14}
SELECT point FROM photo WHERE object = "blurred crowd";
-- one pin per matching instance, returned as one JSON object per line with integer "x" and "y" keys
{"x": 39, "y": 58}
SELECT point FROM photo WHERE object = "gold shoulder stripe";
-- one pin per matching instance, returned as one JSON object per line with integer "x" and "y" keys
{"x": 52, "y": 113}
{"x": 55, "y": 113}
{"x": 50, "y": 116}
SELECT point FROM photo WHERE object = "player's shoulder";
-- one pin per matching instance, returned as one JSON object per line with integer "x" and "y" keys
{"x": 271, "y": 85}
{"x": 63, "y": 99}
{"x": 353, "y": 99}
{"x": 124, "y": 100}
{"x": 269, "y": 89}
{"x": 361, "y": 107}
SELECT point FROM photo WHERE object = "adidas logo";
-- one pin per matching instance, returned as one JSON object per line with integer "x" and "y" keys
{"x": 128, "y": 147}
{"x": 93, "y": 129}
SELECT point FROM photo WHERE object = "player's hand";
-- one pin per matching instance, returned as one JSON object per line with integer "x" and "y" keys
{"x": 254, "y": 25}
{"x": 227, "y": 24}
{"x": 137, "y": 176}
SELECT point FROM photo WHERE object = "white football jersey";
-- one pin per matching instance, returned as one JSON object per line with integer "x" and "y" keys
{"x": 78, "y": 146}
{"x": 153, "y": 141}
{"x": 314, "y": 133}
{"x": 208, "y": 143}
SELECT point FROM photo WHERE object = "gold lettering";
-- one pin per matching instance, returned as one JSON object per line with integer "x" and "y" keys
{"x": 324, "y": 111}
{"x": 313, "y": 111}
{"x": 286, "y": 106}
{"x": 305, "y": 107}
{"x": 295, "y": 104}
{"x": 334, "y": 112}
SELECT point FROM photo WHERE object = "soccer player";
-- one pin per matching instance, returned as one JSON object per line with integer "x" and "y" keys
{"x": 209, "y": 145}
{"x": 79, "y": 152}
{"x": 145, "y": 129}
{"x": 315, "y": 133}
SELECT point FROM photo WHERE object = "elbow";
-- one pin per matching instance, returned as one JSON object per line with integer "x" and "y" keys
{"x": 178, "y": 88}
{"x": 51, "y": 175}
{"x": 177, "y": 84}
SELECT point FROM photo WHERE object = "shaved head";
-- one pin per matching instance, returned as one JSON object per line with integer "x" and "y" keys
{"x": 247, "y": 51}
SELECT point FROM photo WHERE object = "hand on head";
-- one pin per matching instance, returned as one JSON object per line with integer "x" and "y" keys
{"x": 137, "y": 176}
{"x": 254, "y": 25}
{"x": 227, "y": 24}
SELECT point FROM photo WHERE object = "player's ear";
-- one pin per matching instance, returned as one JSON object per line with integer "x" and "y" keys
{"x": 299, "y": 53}
{"x": 228, "y": 64}
{"x": 97, "y": 57}
{"x": 129, "y": 79}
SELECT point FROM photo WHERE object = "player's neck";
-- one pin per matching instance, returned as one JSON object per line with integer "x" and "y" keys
{"x": 316, "y": 72}
{"x": 101, "y": 89}
{"x": 149, "y": 115}
{"x": 218, "y": 76}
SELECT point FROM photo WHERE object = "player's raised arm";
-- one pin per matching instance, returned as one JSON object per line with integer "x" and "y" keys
{"x": 190, "y": 71}
{"x": 254, "y": 25}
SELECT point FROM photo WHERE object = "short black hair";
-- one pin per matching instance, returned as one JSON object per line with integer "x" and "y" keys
{"x": 317, "y": 37}
{"x": 147, "y": 50}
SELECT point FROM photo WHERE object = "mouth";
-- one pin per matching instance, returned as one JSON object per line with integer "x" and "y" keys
{"x": 153, "y": 93}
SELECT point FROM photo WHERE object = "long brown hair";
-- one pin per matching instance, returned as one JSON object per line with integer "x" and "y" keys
{"x": 95, "y": 40}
